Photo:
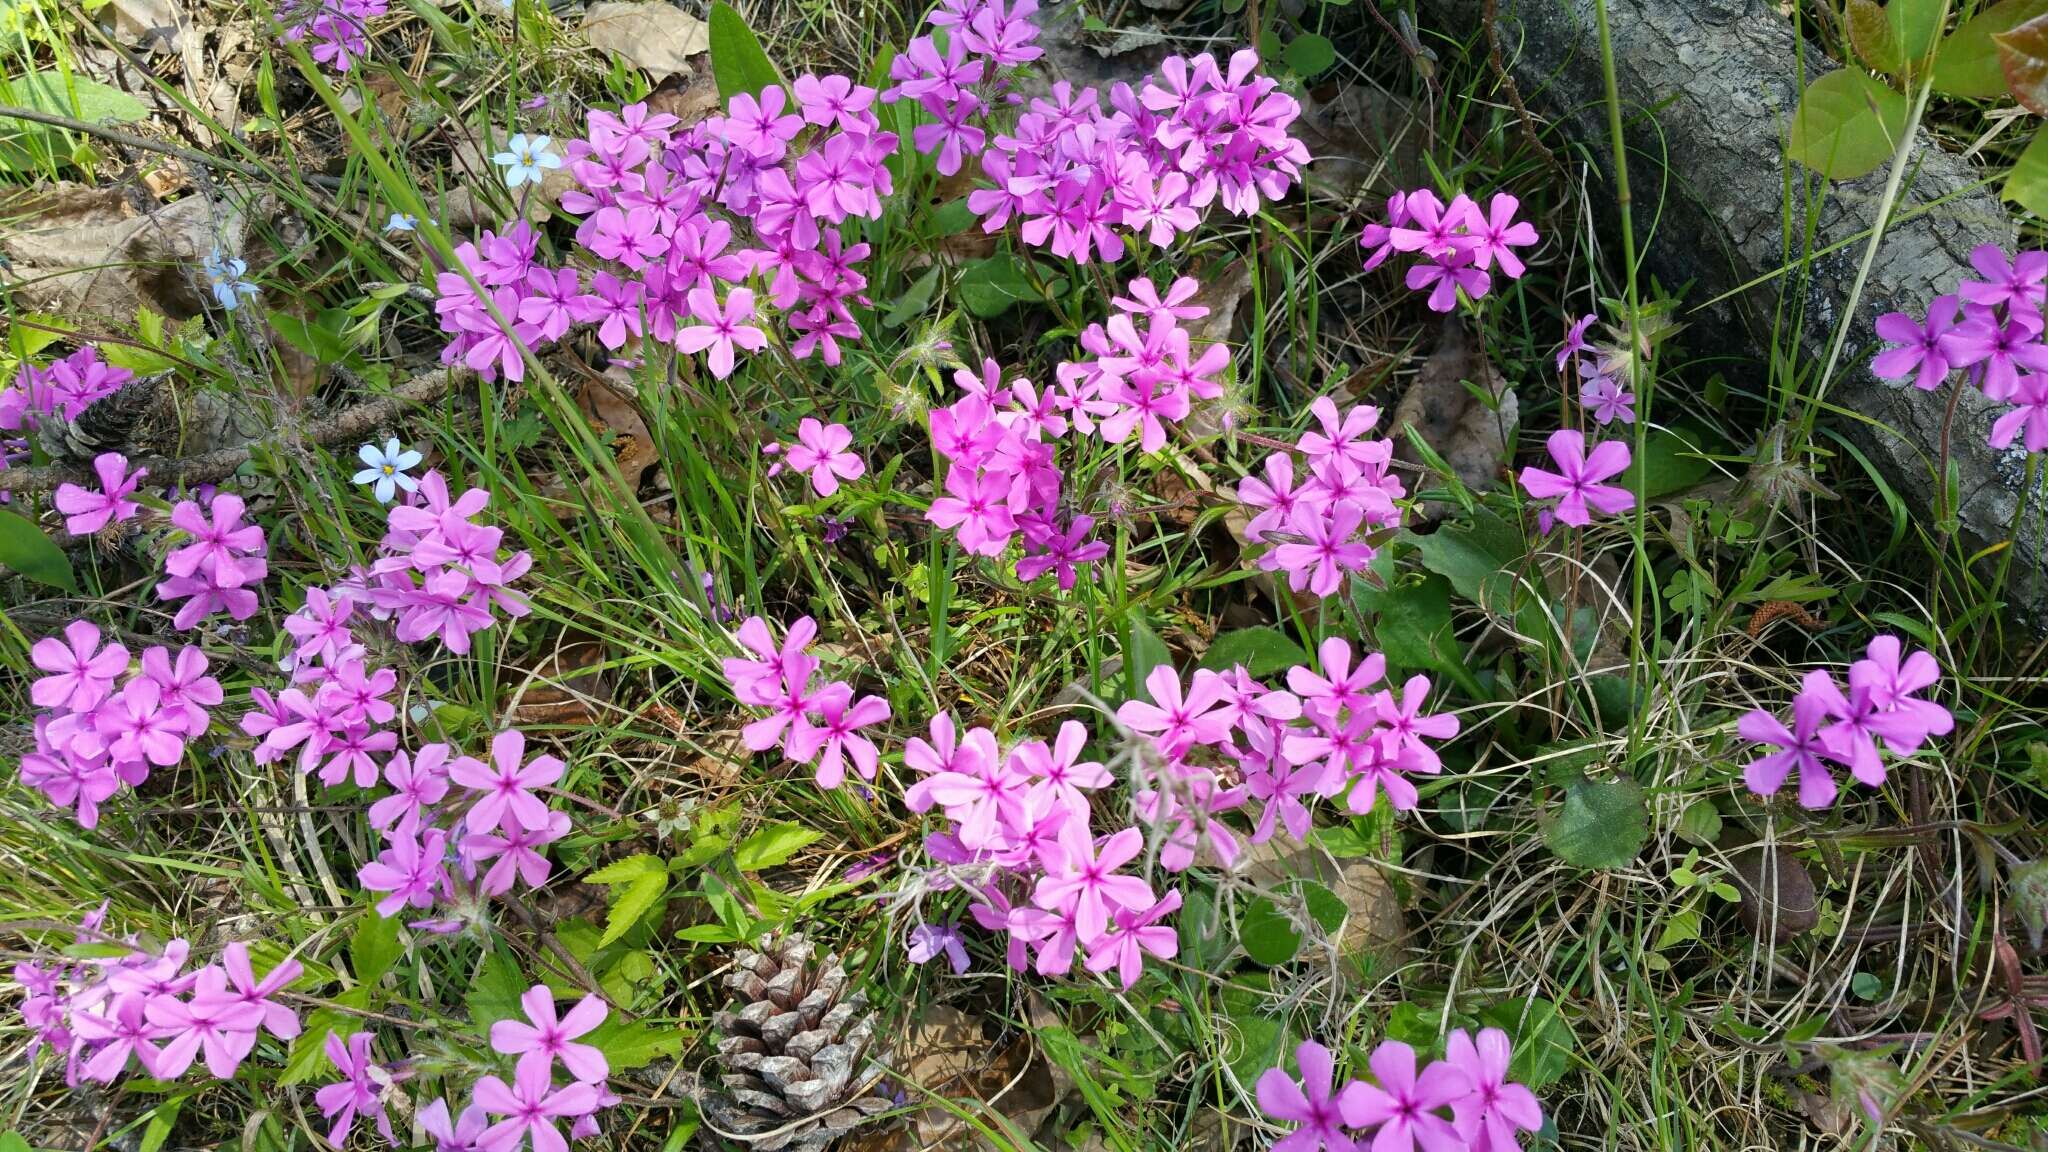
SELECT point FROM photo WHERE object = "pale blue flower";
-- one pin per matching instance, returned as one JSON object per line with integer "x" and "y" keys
{"x": 526, "y": 159}
{"x": 386, "y": 469}
{"x": 226, "y": 276}
{"x": 402, "y": 222}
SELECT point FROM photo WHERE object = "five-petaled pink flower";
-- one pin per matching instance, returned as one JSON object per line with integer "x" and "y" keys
{"x": 547, "y": 1038}
{"x": 86, "y": 511}
{"x": 724, "y": 328}
{"x": 821, "y": 450}
{"x": 1319, "y": 1112}
{"x": 508, "y": 785}
{"x": 1577, "y": 482}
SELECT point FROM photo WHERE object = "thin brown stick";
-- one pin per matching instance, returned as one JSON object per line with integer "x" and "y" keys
{"x": 347, "y": 424}
{"x": 1497, "y": 62}
{"x": 131, "y": 140}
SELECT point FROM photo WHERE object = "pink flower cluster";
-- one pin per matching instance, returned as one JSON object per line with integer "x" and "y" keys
{"x": 65, "y": 387}
{"x": 91, "y": 737}
{"x": 1992, "y": 329}
{"x": 530, "y": 1104}
{"x": 1071, "y": 174}
{"x": 662, "y": 208}
{"x": 1399, "y": 1109}
{"x": 1021, "y": 839}
{"x": 337, "y": 31}
{"x": 1602, "y": 395}
{"x": 1457, "y": 244}
{"x": 222, "y": 565}
{"x": 1827, "y": 726}
{"x": 439, "y": 574}
{"x": 1003, "y": 476}
{"x": 812, "y": 724}
{"x": 142, "y": 1008}
{"x": 1579, "y": 485}
{"x": 1321, "y": 525}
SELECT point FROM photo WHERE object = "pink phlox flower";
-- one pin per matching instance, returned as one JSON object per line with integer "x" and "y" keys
{"x": 756, "y": 681}
{"x": 836, "y": 738}
{"x": 792, "y": 701}
{"x": 1178, "y": 722}
{"x": 983, "y": 802}
{"x": 1494, "y": 1111}
{"x": 1340, "y": 687}
{"x": 834, "y": 100}
{"x": 184, "y": 685}
{"x": 221, "y": 545}
{"x": 321, "y": 626}
{"x": 724, "y": 328}
{"x": 1052, "y": 935}
{"x": 947, "y": 753}
{"x": 1995, "y": 350}
{"x": 542, "y": 1038}
{"x": 277, "y": 1019}
{"x": 359, "y": 1092}
{"x": 1496, "y": 234}
{"x": 1892, "y": 683}
{"x": 137, "y": 727}
{"x": 213, "y": 1021}
{"x": 1802, "y": 749}
{"x": 121, "y": 1028}
{"x": 507, "y": 788}
{"x": 1318, "y": 1109}
{"x": 1404, "y": 730}
{"x": 821, "y": 451}
{"x": 531, "y": 1104}
{"x": 515, "y": 853}
{"x": 1329, "y": 546}
{"x": 1185, "y": 819}
{"x": 418, "y": 781}
{"x": 86, "y": 511}
{"x": 1577, "y": 483}
{"x": 2021, "y": 282}
{"x": 2028, "y": 416}
{"x": 462, "y": 1134}
{"x": 927, "y": 942}
{"x": 410, "y": 871}
{"x": 976, "y": 508}
{"x": 1574, "y": 340}
{"x": 81, "y": 673}
{"x": 1089, "y": 883}
{"x": 1921, "y": 349}
{"x": 1403, "y": 1107}
{"x": 1064, "y": 553}
{"x": 1138, "y": 934}
{"x": 1058, "y": 773}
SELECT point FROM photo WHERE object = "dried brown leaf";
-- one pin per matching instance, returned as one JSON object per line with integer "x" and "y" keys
{"x": 1455, "y": 421}
{"x": 566, "y": 687}
{"x": 611, "y": 409}
{"x": 655, "y": 36}
{"x": 2023, "y": 55}
{"x": 1778, "y": 896}
{"x": 74, "y": 249}
{"x": 946, "y": 1053}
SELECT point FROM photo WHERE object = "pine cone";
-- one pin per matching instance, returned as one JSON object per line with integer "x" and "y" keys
{"x": 151, "y": 417}
{"x": 794, "y": 1059}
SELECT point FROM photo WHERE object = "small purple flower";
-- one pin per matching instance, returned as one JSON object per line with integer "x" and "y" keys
{"x": 929, "y": 940}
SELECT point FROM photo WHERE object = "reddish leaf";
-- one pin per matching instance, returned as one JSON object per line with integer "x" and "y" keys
{"x": 2023, "y": 55}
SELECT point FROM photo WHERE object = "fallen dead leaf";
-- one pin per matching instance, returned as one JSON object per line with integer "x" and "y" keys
{"x": 1453, "y": 418}
{"x": 147, "y": 24}
{"x": 1362, "y": 138}
{"x": 1372, "y": 926}
{"x": 611, "y": 409}
{"x": 1778, "y": 896}
{"x": 83, "y": 250}
{"x": 566, "y": 687}
{"x": 655, "y": 36}
{"x": 689, "y": 97}
{"x": 945, "y": 1053}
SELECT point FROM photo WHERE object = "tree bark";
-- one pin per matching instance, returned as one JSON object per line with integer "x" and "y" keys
{"x": 1710, "y": 88}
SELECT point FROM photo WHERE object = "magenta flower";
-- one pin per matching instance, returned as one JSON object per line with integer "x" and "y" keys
{"x": 1088, "y": 883}
{"x": 1892, "y": 683}
{"x": 1319, "y": 1114}
{"x": 1608, "y": 401}
{"x": 508, "y": 785}
{"x": 219, "y": 542}
{"x": 357, "y": 1093}
{"x": 530, "y": 1106}
{"x": 277, "y": 1019}
{"x": 1062, "y": 553}
{"x": 86, "y": 511}
{"x": 836, "y": 737}
{"x": 1802, "y": 750}
{"x": 1497, "y": 234}
{"x": 213, "y": 1021}
{"x": 927, "y": 942}
{"x": 81, "y": 673}
{"x": 461, "y": 1134}
{"x": 1489, "y": 1116}
{"x": 514, "y": 853}
{"x": 409, "y": 871}
{"x": 2021, "y": 282}
{"x": 1138, "y": 934}
{"x": 547, "y": 1038}
{"x": 1330, "y": 547}
{"x": 1574, "y": 340}
{"x": 1577, "y": 482}
{"x": 122, "y": 1029}
{"x": 1921, "y": 349}
{"x": 418, "y": 781}
{"x": 1403, "y": 1107}
{"x": 1175, "y": 722}
{"x": 724, "y": 328}
{"x": 1403, "y": 727}
{"x": 821, "y": 450}
{"x": 1996, "y": 350}
{"x": 1340, "y": 686}
{"x": 2028, "y": 416}
{"x": 976, "y": 507}
{"x": 137, "y": 727}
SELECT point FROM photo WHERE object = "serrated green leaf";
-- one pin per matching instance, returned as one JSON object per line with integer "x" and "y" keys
{"x": 495, "y": 990}
{"x": 1602, "y": 824}
{"x": 738, "y": 62}
{"x": 1967, "y": 63}
{"x": 773, "y": 845}
{"x": 1847, "y": 125}
{"x": 630, "y": 902}
{"x": 627, "y": 871}
{"x": 25, "y": 550}
{"x": 1261, "y": 650}
{"x": 630, "y": 1044}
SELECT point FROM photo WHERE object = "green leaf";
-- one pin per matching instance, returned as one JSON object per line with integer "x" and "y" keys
{"x": 25, "y": 549}
{"x": 495, "y": 990}
{"x": 1257, "y": 1041}
{"x": 914, "y": 301}
{"x": 1670, "y": 462}
{"x": 1267, "y": 935}
{"x": 1261, "y": 650}
{"x": 1309, "y": 55}
{"x": 1204, "y": 941}
{"x": 1916, "y": 25}
{"x": 1539, "y": 1036}
{"x": 1479, "y": 556}
{"x": 1603, "y": 823}
{"x": 630, "y": 1044}
{"x": 1420, "y": 1026}
{"x": 11, "y": 1141}
{"x": 1414, "y": 631}
{"x": 707, "y": 934}
{"x": 630, "y": 902}
{"x": 1872, "y": 36}
{"x": 629, "y": 870}
{"x": 1847, "y": 125}
{"x": 773, "y": 845}
{"x": 313, "y": 338}
{"x": 2023, "y": 57}
{"x": 1143, "y": 651}
{"x": 988, "y": 287}
{"x": 2027, "y": 184}
{"x": 738, "y": 62}
{"x": 374, "y": 948}
{"x": 1967, "y": 64}
{"x": 1700, "y": 824}
{"x": 89, "y": 100}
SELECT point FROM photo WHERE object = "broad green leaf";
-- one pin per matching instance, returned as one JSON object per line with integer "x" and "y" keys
{"x": 1700, "y": 823}
{"x": 1670, "y": 462}
{"x": 2023, "y": 56}
{"x": 161, "y": 1120}
{"x": 1203, "y": 941}
{"x": 11, "y": 1141}
{"x": 1261, "y": 650}
{"x": 1847, "y": 125}
{"x": 495, "y": 990}
{"x": 988, "y": 287}
{"x": 1602, "y": 824}
{"x": 24, "y": 549}
{"x": 630, "y": 1044}
{"x": 2027, "y": 184}
{"x": 628, "y": 870}
{"x": 1967, "y": 63}
{"x": 773, "y": 845}
{"x": 1258, "y": 1041}
{"x": 1539, "y": 1036}
{"x": 374, "y": 948}
{"x": 1309, "y": 55}
{"x": 1420, "y": 1026}
{"x": 1916, "y": 25}
{"x": 914, "y": 301}
{"x": 24, "y": 341}
{"x": 1267, "y": 935}
{"x": 1143, "y": 651}
{"x": 314, "y": 338}
{"x": 1414, "y": 632}
{"x": 630, "y": 902}
{"x": 738, "y": 62}
{"x": 1872, "y": 36}
{"x": 1480, "y": 556}
{"x": 89, "y": 100}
